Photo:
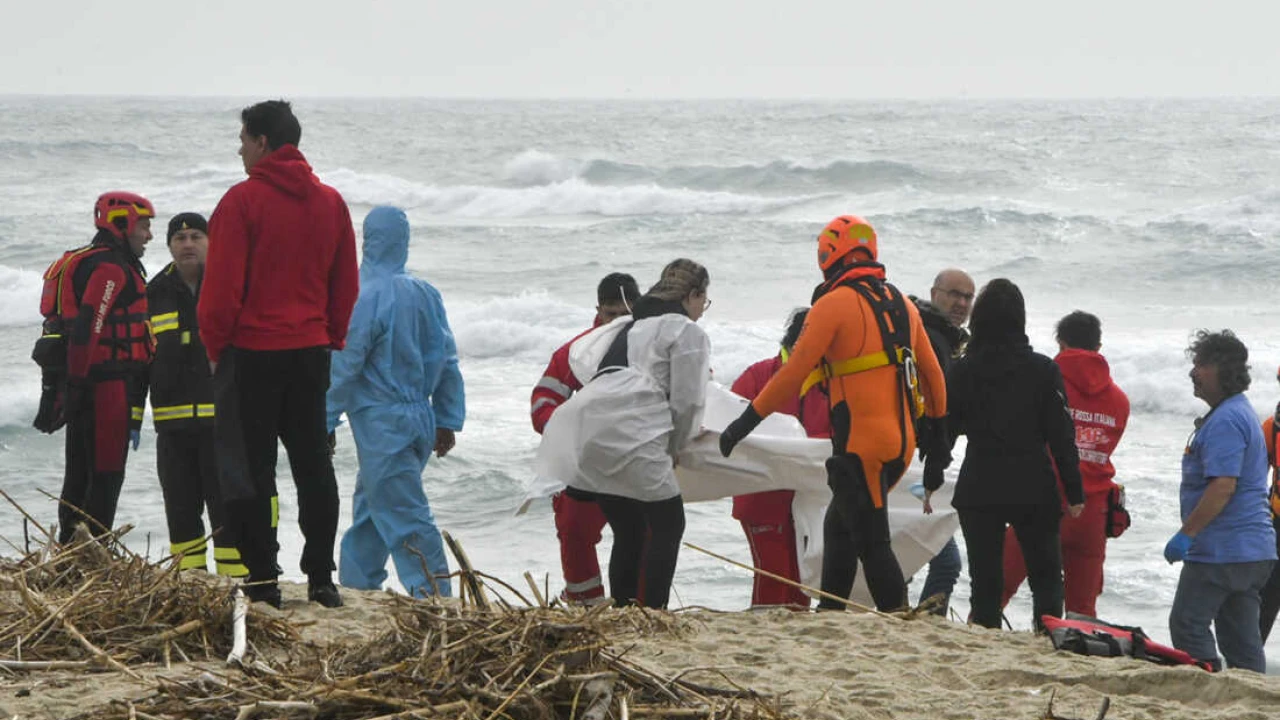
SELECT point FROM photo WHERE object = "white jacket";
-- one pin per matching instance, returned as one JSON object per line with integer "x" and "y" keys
{"x": 619, "y": 433}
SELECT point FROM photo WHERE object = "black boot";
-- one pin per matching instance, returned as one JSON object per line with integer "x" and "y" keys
{"x": 323, "y": 591}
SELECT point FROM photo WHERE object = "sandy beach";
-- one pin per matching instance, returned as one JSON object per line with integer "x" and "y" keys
{"x": 839, "y": 666}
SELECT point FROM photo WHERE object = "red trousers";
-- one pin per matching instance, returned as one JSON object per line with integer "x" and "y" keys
{"x": 578, "y": 526}
{"x": 1084, "y": 549}
{"x": 773, "y": 548}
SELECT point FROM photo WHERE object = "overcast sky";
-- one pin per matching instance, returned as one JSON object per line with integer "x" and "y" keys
{"x": 642, "y": 48}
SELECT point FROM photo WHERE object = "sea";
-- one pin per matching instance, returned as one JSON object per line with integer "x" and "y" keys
{"x": 1159, "y": 216}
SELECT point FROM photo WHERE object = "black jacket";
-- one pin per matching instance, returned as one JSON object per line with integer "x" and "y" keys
{"x": 181, "y": 386}
{"x": 948, "y": 341}
{"x": 1010, "y": 403}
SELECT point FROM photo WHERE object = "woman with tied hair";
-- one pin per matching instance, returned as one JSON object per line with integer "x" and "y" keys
{"x": 642, "y": 405}
{"x": 1011, "y": 403}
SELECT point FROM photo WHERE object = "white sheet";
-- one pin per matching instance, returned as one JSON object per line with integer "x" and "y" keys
{"x": 777, "y": 456}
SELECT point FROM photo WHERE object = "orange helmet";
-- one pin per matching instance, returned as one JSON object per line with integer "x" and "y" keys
{"x": 842, "y": 236}
{"x": 120, "y": 205}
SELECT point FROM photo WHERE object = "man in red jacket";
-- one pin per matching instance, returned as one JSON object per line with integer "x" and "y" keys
{"x": 579, "y": 522}
{"x": 1100, "y": 410}
{"x": 279, "y": 286}
{"x": 766, "y": 516}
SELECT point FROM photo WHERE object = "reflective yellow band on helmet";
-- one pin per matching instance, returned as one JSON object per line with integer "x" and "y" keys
{"x": 862, "y": 363}
{"x": 136, "y": 414}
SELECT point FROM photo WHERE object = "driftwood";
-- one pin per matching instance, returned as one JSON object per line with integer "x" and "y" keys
{"x": 93, "y": 606}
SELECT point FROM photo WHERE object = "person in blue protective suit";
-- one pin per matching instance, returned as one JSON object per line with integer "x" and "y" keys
{"x": 399, "y": 384}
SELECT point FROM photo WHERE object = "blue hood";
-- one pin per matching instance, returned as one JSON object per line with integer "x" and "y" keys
{"x": 386, "y": 242}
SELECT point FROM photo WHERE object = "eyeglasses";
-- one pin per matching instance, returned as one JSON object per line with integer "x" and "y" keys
{"x": 706, "y": 305}
{"x": 957, "y": 294}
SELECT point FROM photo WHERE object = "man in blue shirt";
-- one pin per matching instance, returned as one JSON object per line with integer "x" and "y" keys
{"x": 1226, "y": 543}
{"x": 399, "y": 384}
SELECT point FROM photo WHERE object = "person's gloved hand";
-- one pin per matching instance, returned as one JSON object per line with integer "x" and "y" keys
{"x": 135, "y": 439}
{"x": 1177, "y": 547}
{"x": 933, "y": 477}
{"x": 739, "y": 429}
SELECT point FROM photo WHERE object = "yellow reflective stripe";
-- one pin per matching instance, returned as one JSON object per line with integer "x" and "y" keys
{"x": 235, "y": 570}
{"x": 186, "y": 337}
{"x": 275, "y": 511}
{"x": 226, "y": 553}
{"x": 228, "y": 562}
{"x": 173, "y": 412}
{"x": 136, "y": 414}
{"x": 164, "y": 322}
{"x": 204, "y": 410}
{"x": 179, "y": 548}
{"x": 191, "y": 553}
{"x": 862, "y": 363}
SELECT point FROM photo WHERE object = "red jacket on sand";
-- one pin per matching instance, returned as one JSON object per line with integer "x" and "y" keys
{"x": 1100, "y": 410}
{"x": 774, "y": 507}
{"x": 281, "y": 273}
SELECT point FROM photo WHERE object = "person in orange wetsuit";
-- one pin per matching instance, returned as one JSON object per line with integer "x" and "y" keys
{"x": 766, "y": 516}
{"x": 1271, "y": 591}
{"x": 579, "y": 522}
{"x": 871, "y": 350}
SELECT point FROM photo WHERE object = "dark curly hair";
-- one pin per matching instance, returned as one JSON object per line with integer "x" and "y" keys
{"x": 1080, "y": 330}
{"x": 1226, "y": 351}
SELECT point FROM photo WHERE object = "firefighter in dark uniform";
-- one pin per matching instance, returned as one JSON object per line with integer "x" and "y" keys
{"x": 182, "y": 405}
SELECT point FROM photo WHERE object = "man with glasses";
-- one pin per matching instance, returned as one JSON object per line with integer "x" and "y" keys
{"x": 944, "y": 316}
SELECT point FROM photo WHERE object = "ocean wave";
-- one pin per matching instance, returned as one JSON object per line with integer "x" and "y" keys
{"x": 573, "y": 196}
{"x": 19, "y": 297}
{"x": 528, "y": 326}
{"x": 32, "y": 149}
{"x": 535, "y": 167}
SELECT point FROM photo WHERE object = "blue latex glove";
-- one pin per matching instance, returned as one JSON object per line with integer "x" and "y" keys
{"x": 917, "y": 490}
{"x": 1177, "y": 547}
{"x": 135, "y": 438}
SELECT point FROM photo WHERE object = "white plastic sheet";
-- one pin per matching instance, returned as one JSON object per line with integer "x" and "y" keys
{"x": 779, "y": 456}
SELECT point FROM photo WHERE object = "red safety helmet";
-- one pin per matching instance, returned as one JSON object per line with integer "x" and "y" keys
{"x": 842, "y": 236}
{"x": 112, "y": 206}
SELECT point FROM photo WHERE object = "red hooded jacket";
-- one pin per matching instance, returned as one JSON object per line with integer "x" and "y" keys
{"x": 773, "y": 507}
{"x": 281, "y": 273}
{"x": 1100, "y": 410}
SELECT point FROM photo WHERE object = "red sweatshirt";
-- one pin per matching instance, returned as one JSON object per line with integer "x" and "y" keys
{"x": 281, "y": 273}
{"x": 1100, "y": 410}
{"x": 813, "y": 411}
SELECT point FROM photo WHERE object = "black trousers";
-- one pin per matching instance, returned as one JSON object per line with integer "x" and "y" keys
{"x": 646, "y": 543}
{"x": 855, "y": 529}
{"x": 1036, "y": 527}
{"x": 262, "y": 397}
{"x": 188, "y": 469}
{"x": 96, "y": 450}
